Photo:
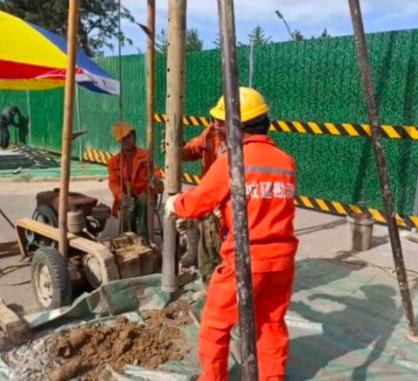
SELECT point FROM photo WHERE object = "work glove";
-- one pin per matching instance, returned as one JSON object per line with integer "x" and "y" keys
{"x": 217, "y": 213}
{"x": 169, "y": 210}
{"x": 156, "y": 184}
{"x": 128, "y": 203}
{"x": 183, "y": 225}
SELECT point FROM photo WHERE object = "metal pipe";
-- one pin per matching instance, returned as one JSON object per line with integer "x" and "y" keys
{"x": 174, "y": 131}
{"x": 68, "y": 125}
{"x": 381, "y": 161}
{"x": 238, "y": 196}
{"x": 150, "y": 114}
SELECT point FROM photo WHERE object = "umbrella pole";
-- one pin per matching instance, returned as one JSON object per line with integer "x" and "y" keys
{"x": 68, "y": 124}
{"x": 150, "y": 114}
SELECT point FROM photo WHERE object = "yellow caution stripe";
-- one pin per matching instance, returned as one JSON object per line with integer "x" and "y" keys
{"x": 332, "y": 207}
{"x": 316, "y": 128}
{"x": 187, "y": 120}
{"x": 341, "y": 209}
{"x": 96, "y": 156}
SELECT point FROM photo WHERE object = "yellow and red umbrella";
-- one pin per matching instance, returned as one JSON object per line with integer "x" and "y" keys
{"x": 32, "y": 58}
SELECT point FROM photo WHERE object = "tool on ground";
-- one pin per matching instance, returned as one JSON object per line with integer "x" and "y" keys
{"x": 238, "y": 196}
{"x": 382, "y": 166}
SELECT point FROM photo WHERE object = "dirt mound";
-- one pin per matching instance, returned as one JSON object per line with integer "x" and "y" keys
{"x": 85, "y": 351}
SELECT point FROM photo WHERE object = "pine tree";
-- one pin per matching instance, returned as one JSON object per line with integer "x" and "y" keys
{"x": 325, "y": 34}
{"x": 298, "y": 36}
{"x": 193, "y": 41}
{"x": 161, "y": 41}
{"x": 258, "y": 37}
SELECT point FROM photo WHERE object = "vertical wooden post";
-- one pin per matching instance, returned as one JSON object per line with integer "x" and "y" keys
{"x": 68, "y": 124}
{"x": 382, "y": 167}
{"x": 173, "y": 131}
{"x": 150, "y": 113}
{"x": 238, "y": 195}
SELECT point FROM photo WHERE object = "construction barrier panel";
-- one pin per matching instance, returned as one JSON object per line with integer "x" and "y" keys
{"x": 317, "y": 109}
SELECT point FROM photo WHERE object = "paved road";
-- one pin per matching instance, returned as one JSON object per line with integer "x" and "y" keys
{"x": 320, "y": 235}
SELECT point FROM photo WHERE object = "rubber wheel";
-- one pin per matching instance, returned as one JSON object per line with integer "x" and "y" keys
{"x": 50, "y": 278}
{"x": 47, "y": 215}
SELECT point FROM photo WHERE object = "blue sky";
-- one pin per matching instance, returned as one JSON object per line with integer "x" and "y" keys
{"x": 309, "y": 16}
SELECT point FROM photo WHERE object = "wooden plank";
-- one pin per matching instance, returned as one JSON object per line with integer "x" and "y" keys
{"x": 14, "y": 327}
{"x": 48, "y": 231}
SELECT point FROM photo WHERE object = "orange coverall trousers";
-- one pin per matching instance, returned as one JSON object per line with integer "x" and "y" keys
{"x": 272, "y": 291}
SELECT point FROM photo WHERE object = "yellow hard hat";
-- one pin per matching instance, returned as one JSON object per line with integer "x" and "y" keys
{"x": 121, "y": 130}
{"x": 252, "y": 104}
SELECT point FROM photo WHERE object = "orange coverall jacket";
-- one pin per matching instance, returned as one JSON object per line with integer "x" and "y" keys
{"x": 207, "y": 146}
{"x": 270, "y": 185}
{"x": 270, "y": 188}
{"x": 138, "y": 178}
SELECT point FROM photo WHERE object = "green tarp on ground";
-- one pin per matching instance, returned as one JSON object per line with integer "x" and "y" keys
{"x": 346, "y": 323}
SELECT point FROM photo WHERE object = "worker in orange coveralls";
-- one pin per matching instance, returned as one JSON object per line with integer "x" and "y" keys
{"x": 130, "y": 196}
{"x": 270, "y": 187}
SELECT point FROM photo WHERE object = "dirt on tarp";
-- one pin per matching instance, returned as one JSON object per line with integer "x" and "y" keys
{"x": 84, "y": 351}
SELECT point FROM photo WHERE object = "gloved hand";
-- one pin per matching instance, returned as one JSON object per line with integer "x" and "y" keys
{"x": 183, "y": 225}
{"x": 217, "y": 213}
{"x": 169, "y": 206}
{"x": 128, "y": 203}
{"x": 156, "y": 184}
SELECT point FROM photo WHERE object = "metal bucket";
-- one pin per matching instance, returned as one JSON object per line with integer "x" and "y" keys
{"x": 360, "y": 229}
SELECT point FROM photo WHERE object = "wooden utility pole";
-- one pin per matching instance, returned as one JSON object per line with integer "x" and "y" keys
{"x": 150, "y": 114}
{"x": 67, "y": 129}
{"x": 382, "y": 167}
{"x": 238, "y": 196}
{"x": 173, "y": 132}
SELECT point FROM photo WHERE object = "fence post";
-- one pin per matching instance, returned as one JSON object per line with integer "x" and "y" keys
{"x": 251, "y": 68}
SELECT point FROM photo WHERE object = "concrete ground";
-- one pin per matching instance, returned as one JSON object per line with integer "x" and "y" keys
{"x": 321, "y": 236}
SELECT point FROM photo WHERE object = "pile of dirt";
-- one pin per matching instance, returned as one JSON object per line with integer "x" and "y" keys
{"x": 84, "y": 351}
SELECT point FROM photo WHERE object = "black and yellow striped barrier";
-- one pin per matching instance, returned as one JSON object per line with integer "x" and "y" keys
{"x": 341, "y": 209}
{"x": 96, "y": 156}
{"x": 314, "y": 128}
{"x": 332, "y": 207}
{"x": 187, "y": 120}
